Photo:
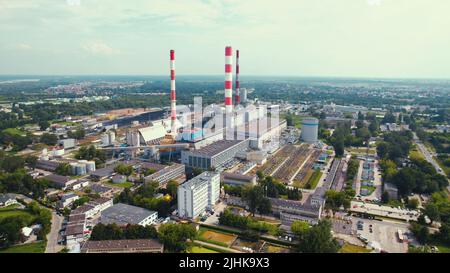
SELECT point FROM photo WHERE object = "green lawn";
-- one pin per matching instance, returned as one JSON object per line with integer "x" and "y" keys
{"x": 120, "y": 185}
{"x": 12, "y": 211}
{"x": 415, "y": 153}
{"x": 14, "y": 132}
{"x": 362, "y": 151}
{"x": 201, "y": 249}
{"x": 314, "y": 179}
{"x": 348, "y": 248}
{"x": 38, "y": 247}
{"x": 443, "y": 249}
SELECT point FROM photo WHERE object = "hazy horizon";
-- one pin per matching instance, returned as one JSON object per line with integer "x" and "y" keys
{"x": 361, "y": 39}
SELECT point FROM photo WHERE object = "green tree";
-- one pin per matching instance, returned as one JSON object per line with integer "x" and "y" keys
{"x": 318, "y": 239}
{"x": 49, "y": 139}
{"x": 175, "y": 236}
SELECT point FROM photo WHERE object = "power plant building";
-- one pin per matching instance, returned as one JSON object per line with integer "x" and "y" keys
{"x": 213, "y": 155}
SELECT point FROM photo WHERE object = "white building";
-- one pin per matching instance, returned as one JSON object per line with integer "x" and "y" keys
{"x": 198, "y": 194}
{"x": 7, "y": 200}
{"x": 123, "y": 214}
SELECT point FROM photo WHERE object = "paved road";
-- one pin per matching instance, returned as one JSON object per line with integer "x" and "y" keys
{"x": 428, "y": 156}
{"x": 218, "y": 247}
{"x": 52, "y": 237}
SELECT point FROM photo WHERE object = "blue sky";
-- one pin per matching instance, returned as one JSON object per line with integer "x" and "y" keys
{"x": 357, "y": 38}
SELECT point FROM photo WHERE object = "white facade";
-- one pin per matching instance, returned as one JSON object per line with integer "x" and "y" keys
{"x": 198, "y": 194}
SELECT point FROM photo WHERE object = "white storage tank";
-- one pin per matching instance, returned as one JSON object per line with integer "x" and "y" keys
{"x": 310, "y": 130}
{"x": 90, "y": 166}
{"x": 105, "y": 140}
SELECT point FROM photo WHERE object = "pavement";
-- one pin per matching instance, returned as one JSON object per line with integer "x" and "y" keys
{"x": 384, "y": 233}
{"x": 376, "y": 194}
{"x": 358, "y": 178}
{"x": 214, "y": 219}
{"x": 52, "y": 237}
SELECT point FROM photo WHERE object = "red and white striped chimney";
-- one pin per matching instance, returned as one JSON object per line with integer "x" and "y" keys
{"x": 237, "y": 97}
{"x": 173, "y": 96}
{"x": 228, "y": 79}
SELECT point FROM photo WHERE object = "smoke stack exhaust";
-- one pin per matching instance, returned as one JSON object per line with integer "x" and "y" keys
{"x": 237, "y": 97}
{"x": 173, "y": 96}
{"x": 228, "y": 79}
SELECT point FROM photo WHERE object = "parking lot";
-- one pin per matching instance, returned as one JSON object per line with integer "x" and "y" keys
{"x": 383, "y": 233}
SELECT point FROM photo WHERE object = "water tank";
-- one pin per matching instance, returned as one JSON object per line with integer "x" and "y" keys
{"x": 112, "y": 137}
{"x": 90, "y": 166}
{"x": 105, "y": 140}
{"x": 310, "y": 130}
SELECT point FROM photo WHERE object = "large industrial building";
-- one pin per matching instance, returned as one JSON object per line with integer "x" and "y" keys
{"x": 123, "y": 214}
{"x": 198, "y": 194}
{"x": 166, "y": 174}
{"x": 213, "y": 155}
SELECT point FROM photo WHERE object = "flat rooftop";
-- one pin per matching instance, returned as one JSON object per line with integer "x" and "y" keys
{"x": 123, "y": 214}
{"x": 217, "y": 147}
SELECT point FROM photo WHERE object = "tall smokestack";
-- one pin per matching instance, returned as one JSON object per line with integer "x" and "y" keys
{"x": 237, "y": 97}
{"x": 173, "y": 96}
{"x": 228, "y": 79}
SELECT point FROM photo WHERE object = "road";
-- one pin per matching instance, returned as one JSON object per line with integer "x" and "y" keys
{"x": 52, "y": 237}
{"x": 428, "y": 156}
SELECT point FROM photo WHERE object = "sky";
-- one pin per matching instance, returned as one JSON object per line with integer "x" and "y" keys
{"x": 329, "y": 38}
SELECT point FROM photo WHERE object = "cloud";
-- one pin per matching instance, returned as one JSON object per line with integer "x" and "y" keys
{"x": 23, "y": 46}
{"x": 99, "y": 48}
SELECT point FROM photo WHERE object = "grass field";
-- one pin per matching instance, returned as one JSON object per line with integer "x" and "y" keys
{"x": 13, "y": 211}
{"x": 414, "y": 153}
{"x": 38, "y": 247}
{"x": 313, "y": 180}
{"x": 215, "y": 237}
{"x": 120, "y": 185}
{"x": 14, "y": 132}
{"x": 200, "y": 249}
{"x": 362, "y": 151}
{"x": 348, "y": 248}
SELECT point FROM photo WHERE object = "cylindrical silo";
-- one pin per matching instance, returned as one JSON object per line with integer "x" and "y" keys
{"x": 310, "y": 130}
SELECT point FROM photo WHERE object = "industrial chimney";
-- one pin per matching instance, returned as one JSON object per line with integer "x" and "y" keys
{"x": 173, "y": 96}
{"x": 237, "y": 97}
{"x": 228, "y": 79}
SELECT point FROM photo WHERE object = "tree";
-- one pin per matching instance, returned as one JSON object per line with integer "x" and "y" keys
{"x": 124, "y": 169}
{"x": 175, "y": 236}
{"x": 49, "y": 139}
{"x": 172, "y": 188}
{"x": 432, "y": 211}
{"x": 255, "y": 199}
{"x": 300, "y": 228}
{"x": 43, "y": 125}
{"x": 63, "y": 169}
{"x": 413, "y": 203}
{"x": 385, "y": 197}
{"x": 31, "y": 160}
{"x": 318, "y": 239}
{"x": 420, "y": 232}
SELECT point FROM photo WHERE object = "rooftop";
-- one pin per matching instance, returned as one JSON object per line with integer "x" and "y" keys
{"x": 123, "y": 214}
{"x": 217, "y": 147}
{"x": 120, "y": 245}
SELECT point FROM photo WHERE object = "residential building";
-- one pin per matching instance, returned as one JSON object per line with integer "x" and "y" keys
{"x": 198, "y": 194}
{"x": 7, "y": 199}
